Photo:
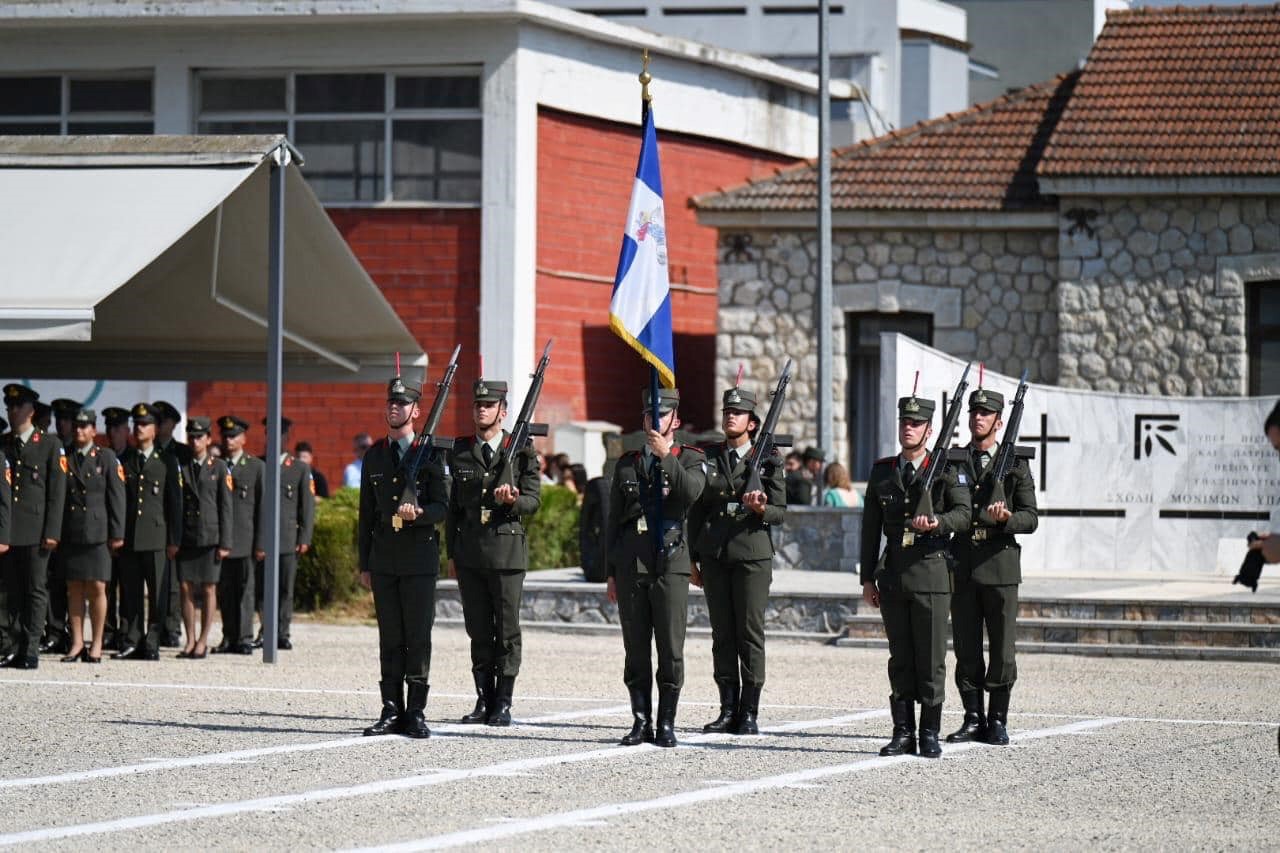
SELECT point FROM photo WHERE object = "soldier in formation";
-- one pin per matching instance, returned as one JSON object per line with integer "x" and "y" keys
{"x": 207, "y": 524}
{"x": 248, "y": 538}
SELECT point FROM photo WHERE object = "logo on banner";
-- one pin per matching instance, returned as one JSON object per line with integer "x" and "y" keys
{"x": 1152, "y": 431}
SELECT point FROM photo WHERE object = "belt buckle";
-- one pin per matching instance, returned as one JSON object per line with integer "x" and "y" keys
{"x": 485, "y": 515}
{"x": 979, "y": 535}
{"x": 732, "y": 508}
{"x": 397, "y": 523}
{"x": 908, "y": 538}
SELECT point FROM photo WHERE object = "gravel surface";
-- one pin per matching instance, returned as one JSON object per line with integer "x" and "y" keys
{"x": 228, "y": 752}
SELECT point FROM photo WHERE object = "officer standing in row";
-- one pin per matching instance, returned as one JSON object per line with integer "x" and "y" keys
{"x": 6, "y": 518}
{"x": 153, "y": 530}
{"x": 116, "y": 421}
{"x": 399, "y": 553}
{"x": 734, "y": 553}
{"x": 206, "y": 535}
{"x": 38, "y": 466}
{"x": 167, "y": 419}
{"x": 913, "y": 589}
{"x": 56, "y": 636}
{"x": 488, "y": 548}
{"x": 988, "y": 571}
{"x": 297, "y": 523}
{"x": 92, "y": 530}
{"x": 650, "y": 563}
{"x": 248, "y": 538}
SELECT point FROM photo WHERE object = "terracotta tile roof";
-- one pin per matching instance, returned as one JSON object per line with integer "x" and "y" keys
{"x": 982, "y": 159}
{"x": 1175, "y": 92}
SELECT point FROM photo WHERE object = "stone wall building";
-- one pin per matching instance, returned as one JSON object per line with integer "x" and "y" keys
{"x": 1113, "y": 229}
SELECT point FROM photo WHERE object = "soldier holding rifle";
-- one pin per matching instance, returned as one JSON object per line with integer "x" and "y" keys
{"x": 917, "y": 501}
{"x": 989, "y": 565}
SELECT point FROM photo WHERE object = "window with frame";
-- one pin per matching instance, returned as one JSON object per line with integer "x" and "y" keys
{"x": 1263, "y": 325}
{"x": 62, "y": 104}
{"x": 368, "y": 137}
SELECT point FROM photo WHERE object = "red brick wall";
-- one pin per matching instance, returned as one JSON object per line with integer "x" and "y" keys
{"x": 585, "y": 171}
{"x": 427, "y": 264}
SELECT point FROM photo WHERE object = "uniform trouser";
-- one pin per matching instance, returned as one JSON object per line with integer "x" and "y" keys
{"x": 235, "y": 599}
{"x": 144, "y": 597}
{"x": 491, "y": 611}
{"x": 173, "y": 609}
{"x": 653, "y": 609}
{"x": 55, "y": 620}
{"x": 737, "y": 594}
{"x": 112, "y": 628}
{"x": 406, "y": 609}
{"x": 288, "y": 576}
{"x": 916, "y": 625}
{"x": 25, "y": 573}
{"x": 974, "y": 605}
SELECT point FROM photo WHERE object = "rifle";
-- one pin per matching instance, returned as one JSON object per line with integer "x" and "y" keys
{"x": 1006, "y": 456}
{"x": 766, "y": 437}
{"x": 938, "y": 456}
{"x": 427, "y": 441}
{"x": 524, "y": 429}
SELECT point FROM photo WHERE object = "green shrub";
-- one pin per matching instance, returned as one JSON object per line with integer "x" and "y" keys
{"x": 553, "y": 531}
{"x": 328, "y": 572}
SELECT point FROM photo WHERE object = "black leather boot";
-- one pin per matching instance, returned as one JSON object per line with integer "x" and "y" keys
{"x": 903, "y": 741}
{"x": 930, "y": 726}
{"x": 500, "y": 713}
{"x": 974, "y": 726}
{"x": 665, "y": 732}
{"x": 392, "y": 708}
{"x": 998, "y": 718}
{"x": 484, "y": 699}
{"x": 748, "y": 707}
{"x": 642, "y": 715}
{"x": 414, "y": 723}
{"x": 729, "y": 695}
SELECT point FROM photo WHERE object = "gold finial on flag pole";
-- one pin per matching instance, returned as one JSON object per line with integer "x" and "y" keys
{"x": 645, "y": 78}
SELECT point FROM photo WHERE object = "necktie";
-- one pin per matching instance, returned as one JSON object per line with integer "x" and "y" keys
{"x": 395, "y": 452}
{"x": 908, "y": 472}
{"x": 733, "y": 459}
{"x": 487, "y": 452}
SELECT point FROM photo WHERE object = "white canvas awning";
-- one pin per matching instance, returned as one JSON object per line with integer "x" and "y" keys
{"x": 147, "y": 257}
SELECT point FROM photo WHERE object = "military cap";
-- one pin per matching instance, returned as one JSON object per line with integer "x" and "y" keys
{"x": 231, "y": 425}
{"x": 64, "y": 409}
{"x": 85, "y": 417}
{"x": 15, "y": 394}
{"x": 915, "y": 409}
{"x": 166, "y": 411}
{"x": 814, "y": 453}
{"x": 198, "y": 426}
{"x": 668, "y": 400}
{"x": 739, "y": 400}
{"x": 285, "y": 423}
{"x": 143, "y": 413}
{"x": 399, "y": 392}
{"x": 489, "y": 391}
{"x": 114, "y": 416}
{"x": 986, "y": 401}
{"x": 43, "y": 412}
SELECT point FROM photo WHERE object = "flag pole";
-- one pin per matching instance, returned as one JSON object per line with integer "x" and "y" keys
{"x": 655, "y": 409}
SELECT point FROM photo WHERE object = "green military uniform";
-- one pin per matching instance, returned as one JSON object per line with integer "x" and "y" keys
{"x": 734, "y": 550}
{"x": 297, "y": 523}
{"x": 153, "y": 523}
{"x": 39, "y": 468}
{"x": 248, "y": 535}
{"x": 94, "y": 510}
{"x": 113, "y": 416}
{"x": 206, "y": 514}
{"x": 490, "y": 551}
{"x": 403, "y": 559}
{"x": 988, "y": 570}
{"x": 56, "y": 636}
{"x": 653, "y": 584}
{"x": 914, "y": 582}
{"x": 181, "y": 454}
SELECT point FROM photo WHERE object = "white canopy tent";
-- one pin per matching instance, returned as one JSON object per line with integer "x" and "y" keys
{"x": 184, "y": 257}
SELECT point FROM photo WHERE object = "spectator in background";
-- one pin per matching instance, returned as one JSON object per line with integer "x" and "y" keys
{"x": 303, "y": 451}
{"x": 546, "y": 471}
{"x": 814, "y": 457}
{"x": 351, "y": 474}
{"x": 799, "y": 487}
{"x": 839, "y": 489}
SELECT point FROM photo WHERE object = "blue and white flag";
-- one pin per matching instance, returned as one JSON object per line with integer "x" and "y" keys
{"x": 640, "y": 311}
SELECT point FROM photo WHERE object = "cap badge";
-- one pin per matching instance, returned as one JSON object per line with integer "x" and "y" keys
{"x": 981, "y": 396}
{"x": 482, "y": 390}
{"x": 911, "y": 406}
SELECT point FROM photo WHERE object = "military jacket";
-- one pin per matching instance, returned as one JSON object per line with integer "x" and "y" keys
{"x": 95, "y": 498}
{"x": 153, "y": 501}
{"x": 207, "y": 505}
{"x": 799, "y": 488}
{"x": 181, "y": 453}
{"x": 6, "y": 500}
{"x": 633, "y": 511}
{"x": 297, "y": 504}
{"x": 414, "y": 548}
{"x": 719, "y": 526}
{"x": 482, "y": 532}
{"x": 987, "y": 553}
{"x": 248, "y": 509}
{"x": 38, "y": 487}
{"x": 914, "y": 562}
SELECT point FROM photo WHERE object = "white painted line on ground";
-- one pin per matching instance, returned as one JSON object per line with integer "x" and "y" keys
{"x": 578, "y": 817}
{"x": 383, "y": 786}
{"x": 1162, "y": 720}
{"x": 152, "y": 765}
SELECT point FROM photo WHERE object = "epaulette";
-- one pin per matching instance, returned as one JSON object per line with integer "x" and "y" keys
{"x": 888, "y": 460}
{"x": 957, "y": 454}
{"x": 1023, "y": 452}
{"x": 692, "y": 447}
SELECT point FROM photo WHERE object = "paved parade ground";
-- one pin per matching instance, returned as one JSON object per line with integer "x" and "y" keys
{"x": 229, "y": 753}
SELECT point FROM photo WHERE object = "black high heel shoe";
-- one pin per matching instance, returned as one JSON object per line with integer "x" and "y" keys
{"x": 201, "y": 656}
{"x": 88, "y": 658}
{"x": 72, "y": 658}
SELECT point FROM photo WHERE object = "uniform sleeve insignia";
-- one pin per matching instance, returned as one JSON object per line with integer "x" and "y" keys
{"x": 120, "y": 471}
{"x": 179, "y": 478}
{"x": 8, "y": 474}
{"x": 962, "y": 479}
{"x": 312, "y": 481}
{"x": 62, "y": 461}
{"x": 231, "y": 486}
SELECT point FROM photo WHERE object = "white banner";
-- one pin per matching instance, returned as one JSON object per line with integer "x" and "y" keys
{"x": 1125, "y": 483}
{"x": 102, "y": 394}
